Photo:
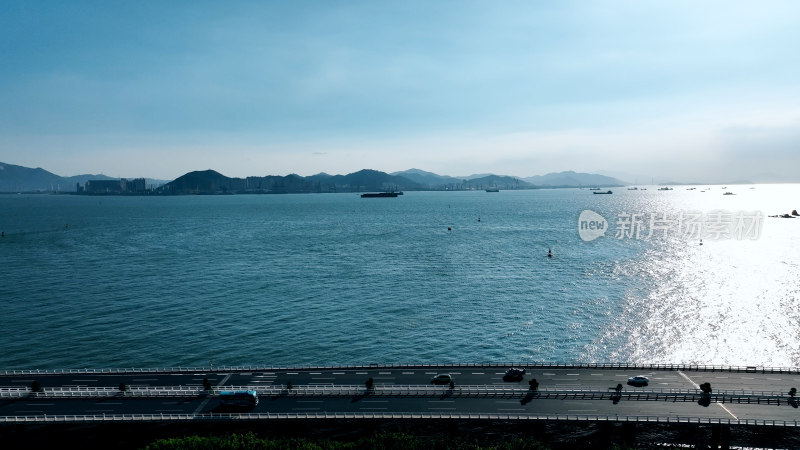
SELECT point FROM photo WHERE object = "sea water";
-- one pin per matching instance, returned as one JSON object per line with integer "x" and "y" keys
{"x": 436, "y": 277}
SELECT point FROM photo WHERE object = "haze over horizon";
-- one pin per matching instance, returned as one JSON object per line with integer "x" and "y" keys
{"x": 681, "y": 91}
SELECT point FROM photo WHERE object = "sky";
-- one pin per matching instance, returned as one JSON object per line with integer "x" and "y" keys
{"x": 678, "y": 90}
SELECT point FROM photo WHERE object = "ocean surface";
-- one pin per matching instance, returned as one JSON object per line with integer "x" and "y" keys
{"x": 437, "y": 277}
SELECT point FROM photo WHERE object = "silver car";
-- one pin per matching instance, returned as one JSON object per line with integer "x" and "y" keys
{"x": 639, "y": 380}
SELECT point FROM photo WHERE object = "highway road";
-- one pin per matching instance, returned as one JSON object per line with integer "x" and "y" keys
{"x": 478, "y": 390}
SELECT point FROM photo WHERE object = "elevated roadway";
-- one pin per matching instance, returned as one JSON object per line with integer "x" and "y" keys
{"x": 565, "y": 393}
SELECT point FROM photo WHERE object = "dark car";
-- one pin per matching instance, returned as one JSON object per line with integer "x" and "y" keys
{"x": 513, "y": 374}
{"x": 442, "y": 378}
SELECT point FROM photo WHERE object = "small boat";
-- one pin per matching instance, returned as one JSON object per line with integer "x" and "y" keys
{"x": 665, "y": 188}
{"x": 493, "y": 189}
{"x": 379, "y": 195}
{"x": 607, "y": 192}
{"x": 729, "y": 193}
{"x": 633, "y": 189}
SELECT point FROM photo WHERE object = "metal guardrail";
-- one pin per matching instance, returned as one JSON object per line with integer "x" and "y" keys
{"x": 530, "y": 365}
{"x": 472, "y": 391}
{"x": 689, "y": 420}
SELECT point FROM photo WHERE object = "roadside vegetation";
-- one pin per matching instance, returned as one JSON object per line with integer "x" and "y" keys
{"x": 382, "y": 440}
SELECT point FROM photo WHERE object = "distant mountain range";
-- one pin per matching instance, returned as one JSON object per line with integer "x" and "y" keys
{"x": 212, "y": 182}
{"x": 573, "y": 179}
{"x": 15, "y": 178}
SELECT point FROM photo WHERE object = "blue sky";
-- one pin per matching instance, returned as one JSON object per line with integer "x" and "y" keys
{"x": 680, "y": 90}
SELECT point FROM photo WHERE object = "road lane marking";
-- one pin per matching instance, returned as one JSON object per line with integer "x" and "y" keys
{"x": 305, "y": 409}
{"x": 443, "y": 409}
{"x": 338, "y": 373}
{"x": 291, "y": 373}
{"x": 135, "y": 379}
{"x": 225, "y": 380}
{"x": 203, "y": 404}
{"x": 87, "y": 381}
{"x": 375, "y": 401}
{"x": 361, "y": 373}
{"x": 478, "y": 373}
{"x": 549, "y": 374}
{"x": 441, "y": 401}
{"x": 372, "y": 409}
{"x": 323, "y": 378}
{"x": 581, "y": 410}
{"x": 108, "y": 403}
{"x": 597, "y": 374}
{"x": 697, "y": 386}
{"x": 511, "y": 409}
{"x": 315, "y": 373}
{"x": 573, "y": 374}
{"x": 309, "y": 401}
{"x": 407, "y": 373}
{"x": 431, "y": 373}
{"x": 384, "y": 373}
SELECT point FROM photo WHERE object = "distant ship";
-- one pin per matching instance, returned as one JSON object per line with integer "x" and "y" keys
{"x": 493, "y": 189}
{"x": 597, "y": 192}
{"x": 380, "y": 194}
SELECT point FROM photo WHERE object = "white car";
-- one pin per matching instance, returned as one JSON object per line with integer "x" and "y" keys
{"x": 638, "y": 380}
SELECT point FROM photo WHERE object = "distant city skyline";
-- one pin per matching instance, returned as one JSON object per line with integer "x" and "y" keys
{"x": 683, "y": 91}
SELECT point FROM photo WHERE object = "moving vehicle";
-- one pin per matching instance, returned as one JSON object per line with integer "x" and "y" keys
{"x": 513, "y": 374}
{"x": 239, "y": 398}
{"x": 442, "y": 378}
{"x": 638, "y": 380}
